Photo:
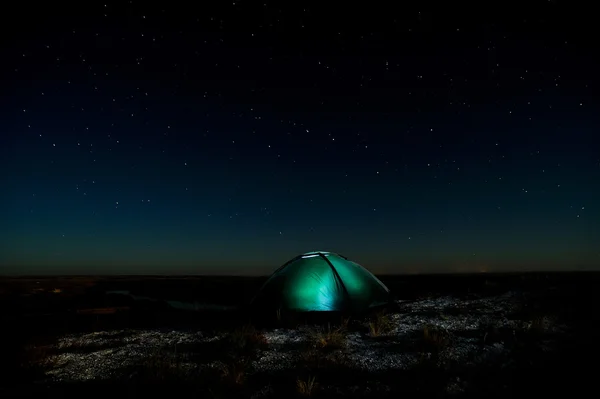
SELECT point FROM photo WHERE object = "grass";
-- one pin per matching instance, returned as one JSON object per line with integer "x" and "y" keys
{"x": 539, "y": 324}
{"x": 344, "y": 323}
{"x": 160, "y": 366}
{"x": 435, "y": 338}
{"x": 329, "y": 339}
{"x": 380, "y": 324}
{"x": 246, "y": 339}
{"x": 491, "y": 333}
{"x": 308, "y": 386}
{"x": 323, "y": 351}
{"x": 245, "y": 343}
{"x": 235, "y": 371}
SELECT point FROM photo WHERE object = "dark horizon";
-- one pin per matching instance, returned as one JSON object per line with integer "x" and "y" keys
{"x": 36, "y": 272}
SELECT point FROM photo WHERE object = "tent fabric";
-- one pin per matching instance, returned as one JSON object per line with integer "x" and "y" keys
{"x": 322, "y": 281}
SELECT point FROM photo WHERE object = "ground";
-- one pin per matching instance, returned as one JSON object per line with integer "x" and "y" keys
{"x": 445, "y": 336}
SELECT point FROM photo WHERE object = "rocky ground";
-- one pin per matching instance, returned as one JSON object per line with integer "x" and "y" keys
{"x": 439, "y": 346}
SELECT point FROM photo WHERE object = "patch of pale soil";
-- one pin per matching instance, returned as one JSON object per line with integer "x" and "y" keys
{"x": 103, "y": 355}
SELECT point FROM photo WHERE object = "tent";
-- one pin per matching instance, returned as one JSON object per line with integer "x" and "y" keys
{"x": 322, "y": 281}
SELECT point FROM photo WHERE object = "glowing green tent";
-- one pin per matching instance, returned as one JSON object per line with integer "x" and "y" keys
{"x": 322, "y": 281}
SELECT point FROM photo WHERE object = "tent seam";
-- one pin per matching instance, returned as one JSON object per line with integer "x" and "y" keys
{"x": 337, "y": 276}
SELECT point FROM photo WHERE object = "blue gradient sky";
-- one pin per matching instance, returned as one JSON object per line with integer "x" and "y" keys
{"x": 137, "y": 140}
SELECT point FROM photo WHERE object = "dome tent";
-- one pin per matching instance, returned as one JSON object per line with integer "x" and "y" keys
{"x": 321, "y": 281}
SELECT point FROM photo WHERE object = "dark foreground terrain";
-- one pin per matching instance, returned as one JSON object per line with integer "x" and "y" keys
{"x": 446, "y": 336}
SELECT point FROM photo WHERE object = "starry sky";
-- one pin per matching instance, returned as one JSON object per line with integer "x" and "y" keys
{"x": 230, "y": 136}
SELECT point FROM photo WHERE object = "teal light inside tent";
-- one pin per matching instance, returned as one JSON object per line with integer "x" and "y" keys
{"x": 317, "y": 296}
{"x": 355, "y": 281}
{"x": 311, "y": 285}
{"x": 322, "y": 281}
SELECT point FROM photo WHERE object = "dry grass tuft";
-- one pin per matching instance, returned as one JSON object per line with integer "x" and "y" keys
{"x": 307, "y": 387}
{"x": 329, "y": 339}
{"x": 540, "y": 324}
{"x": 310, "y": 357}
{"x": 344, "y": 323}
{"x": 381, "y": 324}
{"x": 247, "y": 338}
{"x": 435, "y": 337}
{"x": 235, "y": 371}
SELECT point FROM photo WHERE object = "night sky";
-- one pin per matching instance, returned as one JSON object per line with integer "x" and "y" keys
{"x": 228, "y": 137}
